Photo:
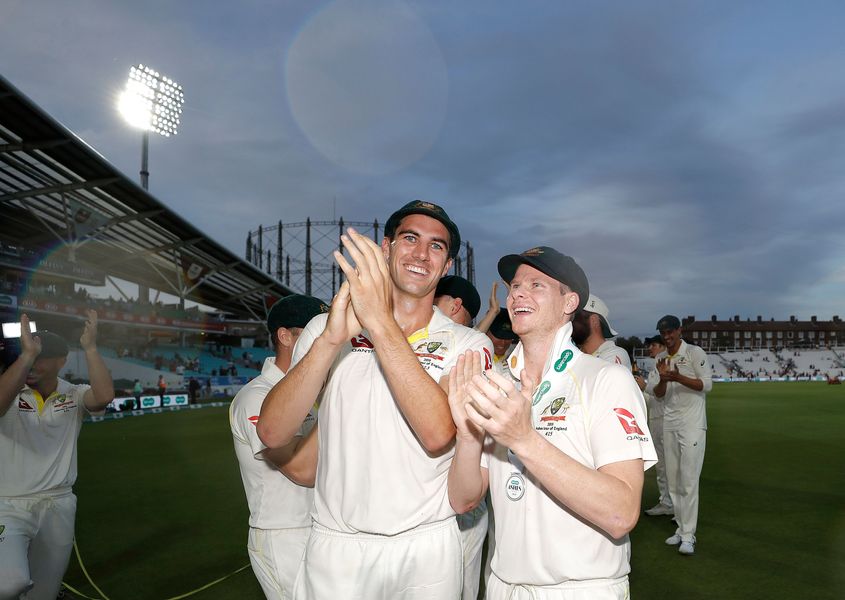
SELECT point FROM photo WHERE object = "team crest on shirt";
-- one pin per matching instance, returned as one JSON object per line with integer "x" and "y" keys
{"x": 554, "y": 421}
{"x": 432, "y": 352}
{"x": 63, "y": 404}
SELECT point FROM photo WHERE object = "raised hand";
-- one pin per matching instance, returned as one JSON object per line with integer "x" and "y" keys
{"x": 468, "y": 365}
{"x": 494, "y": 300}
{"x": 88, "y": 340}
{"x": 370, "y": 285}
{"x": 30, "y": 345}
{"x": 342, "y": 324}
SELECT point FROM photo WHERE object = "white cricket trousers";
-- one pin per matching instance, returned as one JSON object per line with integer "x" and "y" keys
{"x": 595, "y": 589}
{"x": 655, "y": 426}
{"x": 424, "y": 563}
{"x": 275, "y": 555}
{"x": 684, "y": 452}
{"x": 473, "y": 526}
{"x": 36, "y": 538}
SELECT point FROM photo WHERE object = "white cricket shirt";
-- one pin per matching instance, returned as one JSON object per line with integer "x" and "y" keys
{"x": 275, "y": 502}
{"x": 38, "y": 441}
{"x": 610, "y": 352}
{"x": 684, "y": 407}
{"x": 592, "y": 411}
{"x": 373, "y": 475}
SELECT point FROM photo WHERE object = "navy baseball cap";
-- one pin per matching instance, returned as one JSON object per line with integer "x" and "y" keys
{"x": 294, "y": 311}
{"x": 458, "y": 287}
{"x": 653, "y": 340}
{"x": 668, "y": 323}
{"x": 501, "y": 326}
{"x": 52, "y": 345}
{"x": 559, "y": 266}
{"x": 429, "y": 209}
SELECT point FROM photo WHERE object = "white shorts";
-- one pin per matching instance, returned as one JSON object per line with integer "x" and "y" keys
{"x": 275, "y": 555}
{"x": 595, "y": 589}
{"x": 35, "y": 544}
{"x": 424, "y": 563}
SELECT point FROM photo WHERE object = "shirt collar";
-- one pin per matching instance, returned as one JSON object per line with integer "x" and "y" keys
{"x": 270, "y": 371}
{"x": 563, "y": 353}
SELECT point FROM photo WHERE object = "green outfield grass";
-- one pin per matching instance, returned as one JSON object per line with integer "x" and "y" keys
{"x": 162, "y": 512}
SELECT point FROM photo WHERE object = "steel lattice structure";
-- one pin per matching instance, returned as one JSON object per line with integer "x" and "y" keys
{"x": 300, "y": 254}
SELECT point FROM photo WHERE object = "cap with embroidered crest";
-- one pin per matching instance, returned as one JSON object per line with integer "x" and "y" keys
{"x": 429, "y": 209}
{"x": 668, "y": 323}
{"x": 559, "y": 266}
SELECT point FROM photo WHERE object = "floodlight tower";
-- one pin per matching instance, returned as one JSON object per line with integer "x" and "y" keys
{"x": 151, "y": 102}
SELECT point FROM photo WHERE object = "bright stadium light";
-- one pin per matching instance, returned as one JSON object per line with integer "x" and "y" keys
{"x": 151, "y": 102}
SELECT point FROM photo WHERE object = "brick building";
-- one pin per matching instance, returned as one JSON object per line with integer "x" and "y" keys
{"x": 736, "y": 333}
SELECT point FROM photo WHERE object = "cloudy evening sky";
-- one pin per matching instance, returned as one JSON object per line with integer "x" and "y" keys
{"x": 690, "y": 155}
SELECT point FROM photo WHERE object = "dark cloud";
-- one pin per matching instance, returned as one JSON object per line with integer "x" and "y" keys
{"x": 688, "y": 154}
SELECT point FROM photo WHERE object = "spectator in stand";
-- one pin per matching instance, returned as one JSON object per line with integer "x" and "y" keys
{"x": 162, "y": 388}
{"x": 137, "y": 390}
{"x": 193, "y": 389}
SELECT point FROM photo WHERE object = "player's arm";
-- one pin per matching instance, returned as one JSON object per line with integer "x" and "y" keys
{"x": 492, "y": 312}
{"x": 468, "y": 480}
{"x": 701, "y": 366}
{"x": 608, "y": 497}
{"x": 288, "y": 402}
{"x": 422, "y": 402}
{"x": 102, "y": 388}
{"x": 13, "y": 378}
{"x": 297, "y": 459}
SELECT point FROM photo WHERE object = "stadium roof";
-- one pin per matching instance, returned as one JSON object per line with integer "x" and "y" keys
{"x": 59, "y": 196}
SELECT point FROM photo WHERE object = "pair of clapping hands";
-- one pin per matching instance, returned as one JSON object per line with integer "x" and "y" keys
{"x": 666, "y": 371}
{"x": 31, "y": 344}
{"x": 485, "y": 401}
{"x": 365, "y": 298}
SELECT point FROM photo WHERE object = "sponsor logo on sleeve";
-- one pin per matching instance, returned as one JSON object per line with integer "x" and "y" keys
{"x": 629, "y": 424}
{"x": 488, "y": 360}
{"x": 361, "y": 344}
{"x": 253, "y": 420}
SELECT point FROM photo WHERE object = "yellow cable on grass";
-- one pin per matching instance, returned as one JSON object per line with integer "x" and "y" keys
{"x": 104, "y": 597}
{"x": 208, "y": 585}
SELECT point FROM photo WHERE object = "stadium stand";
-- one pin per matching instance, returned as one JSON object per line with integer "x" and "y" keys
{"x": 71, "y": 219}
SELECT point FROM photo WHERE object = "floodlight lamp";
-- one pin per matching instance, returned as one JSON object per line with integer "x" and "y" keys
{"x": 150, "y": 102}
